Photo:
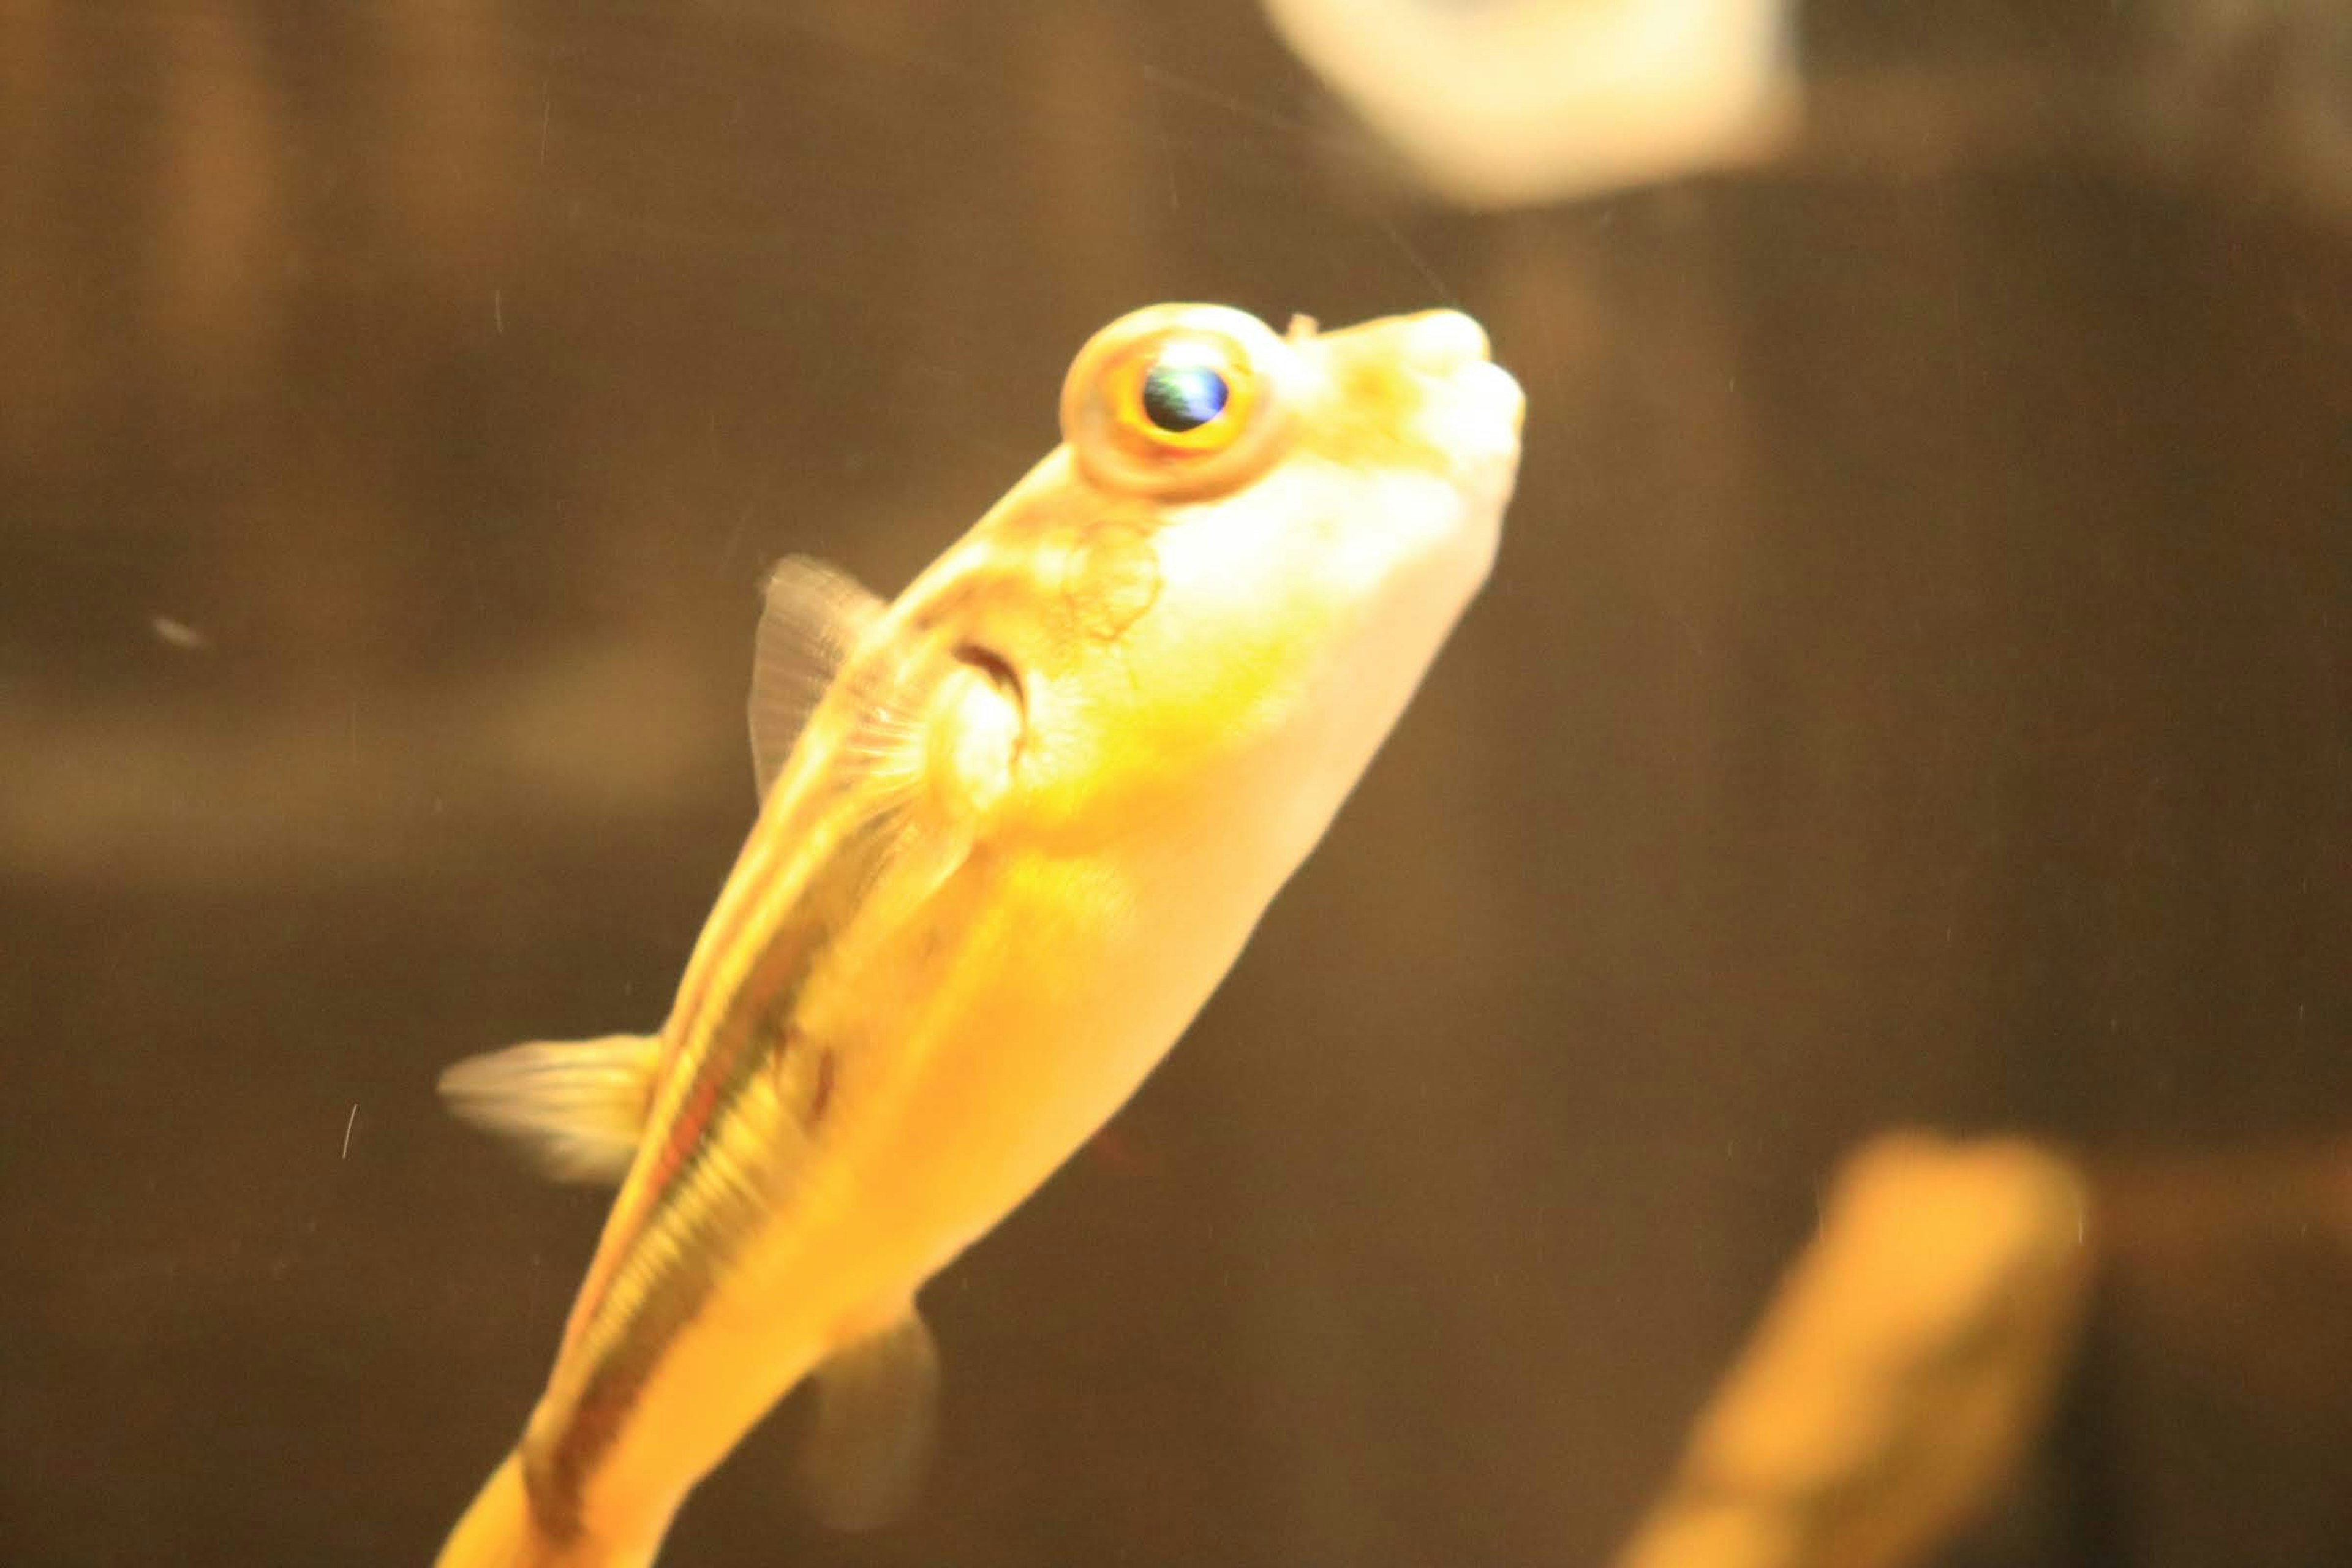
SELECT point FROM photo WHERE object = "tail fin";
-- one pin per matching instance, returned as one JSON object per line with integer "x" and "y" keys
{"x": 500, "y": 1530}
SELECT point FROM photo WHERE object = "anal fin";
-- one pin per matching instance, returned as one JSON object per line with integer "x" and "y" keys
{"x": 577, "y": 1106}
{"x": 864, "y": 1453}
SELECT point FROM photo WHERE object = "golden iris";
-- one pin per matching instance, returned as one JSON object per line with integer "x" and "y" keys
{"x": 1181, "y": 394}
{"x": 1180, "y": 402}
{"x": 1180, "y": 398}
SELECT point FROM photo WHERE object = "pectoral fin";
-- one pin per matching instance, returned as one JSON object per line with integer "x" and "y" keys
{"x": 577, "y": 1106}
{"x": 813, "y": 618}
{"x": 876, "y": 1410}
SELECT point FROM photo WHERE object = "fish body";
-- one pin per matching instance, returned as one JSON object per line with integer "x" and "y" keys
{"x": 1016, "y": 825}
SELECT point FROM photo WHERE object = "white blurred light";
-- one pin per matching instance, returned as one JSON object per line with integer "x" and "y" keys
{"x": 1510, "y": 102}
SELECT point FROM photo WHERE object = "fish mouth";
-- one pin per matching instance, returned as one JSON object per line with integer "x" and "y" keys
{"x": 1477, "y": 404}
{"x": 1440, "y": 341}
{"x": 1495, "y": 393}
{"x": 1472, "y": 408}
{"x": 1452, "y": 351}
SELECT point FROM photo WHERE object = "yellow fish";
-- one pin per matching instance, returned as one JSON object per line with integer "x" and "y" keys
{"x": 1015, "y": 827}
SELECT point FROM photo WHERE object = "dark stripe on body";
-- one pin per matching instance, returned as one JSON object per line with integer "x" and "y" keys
{"x": 752, "y": 1036}
{"x": 695, "y": 1112}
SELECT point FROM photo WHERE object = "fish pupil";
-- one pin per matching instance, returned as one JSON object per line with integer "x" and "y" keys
{"x": 1180, "y": 398}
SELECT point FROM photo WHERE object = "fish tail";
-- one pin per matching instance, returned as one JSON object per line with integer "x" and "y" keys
{"x": 500, "y": 1530}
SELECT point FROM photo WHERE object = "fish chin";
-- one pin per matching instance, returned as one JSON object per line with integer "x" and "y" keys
{"x": 1464, "y": 410}
{"x": 1470, "y": 413}
{"x": 1474, "y": 413}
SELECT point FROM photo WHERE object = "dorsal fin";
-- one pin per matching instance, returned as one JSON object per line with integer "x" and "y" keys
{"x": 814, "y": 615}
{"x": 577, "y": 1106}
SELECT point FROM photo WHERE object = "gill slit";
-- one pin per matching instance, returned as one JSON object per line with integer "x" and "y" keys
{"x": 1004, "y": 678}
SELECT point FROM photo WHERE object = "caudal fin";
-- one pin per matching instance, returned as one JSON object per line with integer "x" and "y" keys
{"x": 500, "y": 1530}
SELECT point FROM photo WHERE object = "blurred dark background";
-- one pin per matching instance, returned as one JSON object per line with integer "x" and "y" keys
{"x": 1914, "y": 691}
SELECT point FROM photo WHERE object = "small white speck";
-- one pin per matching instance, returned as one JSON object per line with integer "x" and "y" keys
{"x": 349, "y": 1122}
{"x": 179, "y": 634}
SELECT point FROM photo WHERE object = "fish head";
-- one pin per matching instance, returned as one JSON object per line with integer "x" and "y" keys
{"x": 1348, "y": 463}
{"x": 1246, "y": 553}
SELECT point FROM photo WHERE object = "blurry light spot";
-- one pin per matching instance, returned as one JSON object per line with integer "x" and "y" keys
{"x": 179, "y": 634}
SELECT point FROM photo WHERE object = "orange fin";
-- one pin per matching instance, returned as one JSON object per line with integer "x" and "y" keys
{"x": 876, "y": 1411}
{"x": 577, "y": 1106}
{"x": 813, "y": 618}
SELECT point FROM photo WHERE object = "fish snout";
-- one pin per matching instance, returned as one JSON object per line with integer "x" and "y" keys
{"x": 1441, "y": 341}
{"x": 1452, "y": 351}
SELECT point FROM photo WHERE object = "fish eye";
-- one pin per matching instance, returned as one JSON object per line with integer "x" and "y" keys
{"x": 1182, "y": 393}
{"x": 1179, "y": 400}
{"x": 1179, "y": 396}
